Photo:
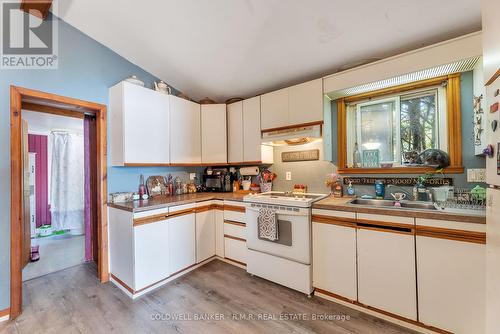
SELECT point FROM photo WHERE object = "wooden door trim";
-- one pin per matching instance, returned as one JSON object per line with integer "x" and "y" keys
{"x": 17, "y": 94}
{"x": 29, "y": 106}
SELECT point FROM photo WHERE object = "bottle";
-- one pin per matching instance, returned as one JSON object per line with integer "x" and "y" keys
{"x": 338, "y": 189}
{"x": 350, "y": 189}
{"x": 142, "y": 187}
{"x": 379, "y": 189}
{"x": 356, "y": 157}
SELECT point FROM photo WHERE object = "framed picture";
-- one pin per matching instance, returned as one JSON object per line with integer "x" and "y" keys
{"x": 371, "y": 158}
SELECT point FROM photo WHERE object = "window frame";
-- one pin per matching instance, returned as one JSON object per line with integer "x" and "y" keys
{"x": 453, "y": 125}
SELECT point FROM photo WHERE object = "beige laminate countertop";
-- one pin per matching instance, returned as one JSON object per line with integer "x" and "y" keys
{"x": 168, "y": 201}
{"x": 459, "y": 215}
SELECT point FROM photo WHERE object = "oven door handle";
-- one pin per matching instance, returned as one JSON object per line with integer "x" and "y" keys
{"x": 282, "y": 212}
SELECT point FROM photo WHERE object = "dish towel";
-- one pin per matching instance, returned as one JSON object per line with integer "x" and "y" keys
{"x": 268, "y": 224}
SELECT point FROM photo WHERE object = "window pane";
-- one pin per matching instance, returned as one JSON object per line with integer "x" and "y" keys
{"x": 376, "y": 131}
{"x": 418, "y": 122}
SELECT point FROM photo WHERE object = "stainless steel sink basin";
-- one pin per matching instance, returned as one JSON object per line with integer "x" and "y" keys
{"x": 390, "y": 204}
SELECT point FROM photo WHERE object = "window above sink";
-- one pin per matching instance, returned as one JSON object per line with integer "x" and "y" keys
{"x": 383, "y": 131}
{"x": 396, "y": 128}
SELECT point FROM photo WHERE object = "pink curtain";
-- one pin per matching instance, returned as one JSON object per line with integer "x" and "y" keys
{"x": 38, "y": 144}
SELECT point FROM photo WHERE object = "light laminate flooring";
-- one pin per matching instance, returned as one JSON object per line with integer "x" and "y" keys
{"x": 56, "y": 253}
{"x": 215, "y": 298}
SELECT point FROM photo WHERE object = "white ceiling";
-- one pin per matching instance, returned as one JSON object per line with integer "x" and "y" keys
{"x": 229, "y": 48}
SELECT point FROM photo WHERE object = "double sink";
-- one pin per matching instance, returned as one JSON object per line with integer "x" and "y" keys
{"x": 382, "y": 203}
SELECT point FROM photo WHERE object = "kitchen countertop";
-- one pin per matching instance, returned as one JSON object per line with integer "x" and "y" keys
{"x": 459, "y": 215}
{"x": 167, "y": 201}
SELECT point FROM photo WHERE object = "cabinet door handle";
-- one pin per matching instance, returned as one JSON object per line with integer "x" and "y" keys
{"x": 384, "y": 228}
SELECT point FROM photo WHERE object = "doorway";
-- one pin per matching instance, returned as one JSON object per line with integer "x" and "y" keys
{"x": 93, "y": 116}
{"x": 60, "y": 227}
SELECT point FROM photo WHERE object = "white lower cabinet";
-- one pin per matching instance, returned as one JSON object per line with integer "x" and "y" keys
{"x": 334, "y": 259}
{"x": 219, "y": 232}
{"x": 235, "y": 250}
{"x": 451, "y": 284}
{"x": 181, "y": 232}
{"x": 205, "y": 235}
{"x": 386, "y": 271}
{"x": 151, "y": 253}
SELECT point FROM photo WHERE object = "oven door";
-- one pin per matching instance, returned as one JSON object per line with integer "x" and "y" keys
{"x": 294, "y": 233}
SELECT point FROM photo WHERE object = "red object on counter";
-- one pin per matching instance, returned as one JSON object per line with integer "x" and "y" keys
{"x": 494, "y": 107}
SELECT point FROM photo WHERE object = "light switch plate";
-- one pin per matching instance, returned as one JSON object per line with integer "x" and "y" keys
{"x": 192, "y": 176}
{"x": 288, "y": 176}
{"x": 476, "y": 175}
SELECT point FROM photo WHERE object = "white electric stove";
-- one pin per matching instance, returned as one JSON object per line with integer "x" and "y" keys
{"x": 286, "y": 261}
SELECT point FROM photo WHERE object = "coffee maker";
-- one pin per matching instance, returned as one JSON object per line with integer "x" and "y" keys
{"x": 218, "y": 180}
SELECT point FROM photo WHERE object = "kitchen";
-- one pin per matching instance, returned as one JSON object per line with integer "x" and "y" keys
{"x": 365, "y": 193}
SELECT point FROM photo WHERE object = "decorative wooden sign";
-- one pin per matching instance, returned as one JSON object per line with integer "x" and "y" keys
{"x": 399, "y": 181}
{"x": 294, "y": 156}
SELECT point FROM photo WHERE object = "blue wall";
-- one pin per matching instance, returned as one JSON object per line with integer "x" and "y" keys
{"x": 86, "y": 70}
{"x": 468, "y": 157}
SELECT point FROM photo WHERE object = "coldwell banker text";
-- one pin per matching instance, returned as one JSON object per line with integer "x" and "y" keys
{"x": 29, "y": 39}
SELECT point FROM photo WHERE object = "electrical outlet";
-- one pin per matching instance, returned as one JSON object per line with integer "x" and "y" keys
{"x": 481, "y": 175}
{"x": 476, "y": 175}
{"x": 288, "y": 176}
{"x": 192, "y": 176}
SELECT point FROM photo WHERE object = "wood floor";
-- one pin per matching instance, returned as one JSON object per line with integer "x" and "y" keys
{"x": 73, "y": 301}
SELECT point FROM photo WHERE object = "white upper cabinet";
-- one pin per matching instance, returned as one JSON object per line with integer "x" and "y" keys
{"x": 244, "y": 136}
{"x": 185, "y": 132}
{"x": 274, "y": 112}
{"x": 294, "y": 105}
{"x": 306, "y": 102}
{"x": 235, "y": 132}
{"x": 213, "y": 134}
{"x": 251, "y": 130}
{"x": 253, "y": 150}
{"x": 139, "y": 125}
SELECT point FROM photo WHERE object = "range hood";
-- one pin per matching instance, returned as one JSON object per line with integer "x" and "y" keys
{"x": 301, "y": 134}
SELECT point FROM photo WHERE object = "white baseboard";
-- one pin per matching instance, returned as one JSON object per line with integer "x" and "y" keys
{"x": 5, "y": 318}
{"x": 161, "y": 283}
{"x": 231, "y": 262}
{"x": 376, "y": 314}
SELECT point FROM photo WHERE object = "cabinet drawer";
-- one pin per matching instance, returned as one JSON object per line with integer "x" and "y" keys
{"x": 473, "y": 227}
{"x": 385, "y": 218}
{"x": 334, "y": 214}
{"x": 234, "y": 211}
{"x": 235, "y": 229}
{"x": 235, "y": 250}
